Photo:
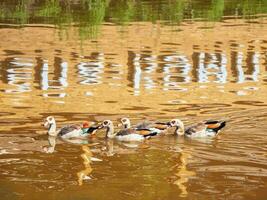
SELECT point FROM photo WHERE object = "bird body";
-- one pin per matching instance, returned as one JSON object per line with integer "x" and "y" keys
{"x": 70, "y": 131}
{"x": 128, "y": 134}
{"x": 145, "y": 127}
{"x": 208, "y": 128}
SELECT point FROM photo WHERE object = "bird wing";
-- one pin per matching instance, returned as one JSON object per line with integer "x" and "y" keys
{"x": 126, "y": 131}
{"x": 215, "y": 125}
{"x": 161, "y": 125}
{"x": 195, "y": 129}
{"x": 68, "y": 129}
{"x": 143, "y": 125}
{"x": 143, "y": 132}
{"x": 148, "y": 125}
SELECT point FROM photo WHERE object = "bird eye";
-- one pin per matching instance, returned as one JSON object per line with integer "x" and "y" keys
{"x": 105, "y": 122}
{"x": 124, "y": 120}
{"x": 173, "y": 121}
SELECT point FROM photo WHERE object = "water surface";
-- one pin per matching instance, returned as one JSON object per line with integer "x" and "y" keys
{"x": 156, "y": 60}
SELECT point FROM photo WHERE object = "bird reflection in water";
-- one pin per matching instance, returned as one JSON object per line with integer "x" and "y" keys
{"x": 183, "y": 174}
{"x": 87, "y": 159}
{"x": 112, "y": 147}
{"x": 51, "y": 144}
{"x": 109, "y": 148}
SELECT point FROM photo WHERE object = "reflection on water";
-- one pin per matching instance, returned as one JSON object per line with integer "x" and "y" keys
{"x": 90, "y": 72}
{"x": 86, "y": 156}
{"x": 177, "y": 71}
{"x": 146, "y": 60}
{"x": 51, "y": 144}
{"x": 183, "y": 174}
{"x": 60, "y": 77}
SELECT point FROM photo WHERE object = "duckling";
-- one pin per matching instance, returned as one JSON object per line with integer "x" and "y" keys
{"x": 128, "y": 134}
{"x": 70, "y": 131}
{"x": 125, "y": 122}
{"x": 209, "y": 128}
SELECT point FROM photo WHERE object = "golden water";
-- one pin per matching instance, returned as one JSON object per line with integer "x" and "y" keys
{"x": 194, "y": 70}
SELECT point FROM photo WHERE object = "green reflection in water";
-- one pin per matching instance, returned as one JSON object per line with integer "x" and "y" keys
{"x": 89, "y": 14}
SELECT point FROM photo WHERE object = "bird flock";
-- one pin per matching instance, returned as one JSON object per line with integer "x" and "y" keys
{"x": 138, "y": 132}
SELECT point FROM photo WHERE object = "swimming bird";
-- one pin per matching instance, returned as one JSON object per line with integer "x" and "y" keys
{"x": 70, "y": 131}
{"x": 128, "y": 134}
{"x": 126, "y": 123}
{"x": 209, "y": 128}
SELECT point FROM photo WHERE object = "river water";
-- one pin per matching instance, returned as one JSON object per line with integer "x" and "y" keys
{"x": 146, "y": 60}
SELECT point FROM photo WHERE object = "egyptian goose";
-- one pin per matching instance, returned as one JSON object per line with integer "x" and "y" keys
{"x": 70, "y": 131}
{"x": 128, "y": 134}
{"x": 125, "y": 122}
{"x": 209, "y": 128}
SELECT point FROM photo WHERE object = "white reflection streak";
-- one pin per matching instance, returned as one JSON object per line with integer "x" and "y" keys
{"x": 202, "y": 72}
{"x": 149, "y": 80}
{"x": 19, "y": 75}
{"x": 220, "y": 71}
{"x": 90, "y": 71}
{"x": 223, "y": 75}
{"x": 62, "y": 79}
{"x": 256, "y": 72}
{"x": 64, "y": 72}
{"x": 256, "y": 68}
{"x": 44, "y": 76}
{"x": 181, "y": 62}
{"x": 240, "y": 71}
{"x": 137, "y": 74}
{"x": 187, "y": 68}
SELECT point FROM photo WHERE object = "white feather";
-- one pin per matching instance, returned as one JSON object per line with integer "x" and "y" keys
{"x": 95, "y": 159}
{"x": 130, "y": 137}
{"x": 73, "y": 134}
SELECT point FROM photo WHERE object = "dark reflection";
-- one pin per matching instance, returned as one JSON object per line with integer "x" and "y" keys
{"x": 195, "y": 60}
{"x": 38, "y": 71}
{"x": 130, "y": 70}
{"x": 234, "y": 62}
{"x": 4, "y": 70}
{"x": 252, "y": 63}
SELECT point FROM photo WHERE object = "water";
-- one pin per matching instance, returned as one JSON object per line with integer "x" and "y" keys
{"x": 157, "y": 60}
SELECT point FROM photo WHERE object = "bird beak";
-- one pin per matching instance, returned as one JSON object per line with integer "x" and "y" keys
{"x": 100, "y": 126}
{"x": 46, "y": 124}
{"x": 169, "y": 124}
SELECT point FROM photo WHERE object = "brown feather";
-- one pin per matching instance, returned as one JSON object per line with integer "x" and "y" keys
{"x": 161, "y": 126}
{"x": 212, "y": 126}
{"x": 143, "y": 132}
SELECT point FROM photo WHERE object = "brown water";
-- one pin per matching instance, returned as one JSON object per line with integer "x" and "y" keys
{"x": 154, "y": 67}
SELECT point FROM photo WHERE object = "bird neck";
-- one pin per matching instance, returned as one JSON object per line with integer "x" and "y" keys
{"x": 52, "y": 129}
{"x": 180, "y": 129}
{"x": 110, "y": 131}
{"x": 128, "y": 125}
